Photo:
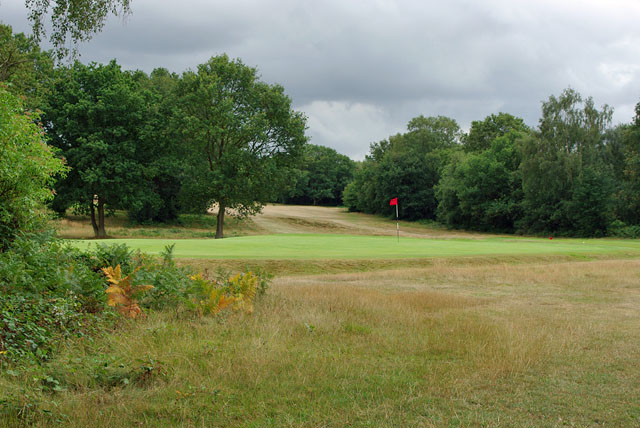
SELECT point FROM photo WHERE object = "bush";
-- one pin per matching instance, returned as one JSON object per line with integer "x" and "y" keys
{"x": 52, "y": 291}
{"x": 30, "y": 327}
{"x": 619, "y": 229}
{"x": 38, "y": 265}
{"x": 26, "y": 170}
{"x": 211, "y": 296}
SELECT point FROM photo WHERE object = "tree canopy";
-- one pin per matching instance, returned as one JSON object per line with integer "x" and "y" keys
{"x": 25, "y": 69}
{"x": 320, "y": 177}
{"x": 96, "y": 116}
{"x": 406, "y": 166}
{"x": 241, "y": 134}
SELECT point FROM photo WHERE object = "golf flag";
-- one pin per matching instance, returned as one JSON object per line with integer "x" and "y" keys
{"x": 392, "y": 202}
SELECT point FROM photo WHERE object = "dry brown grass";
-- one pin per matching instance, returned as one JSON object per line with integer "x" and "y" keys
{"x": 119, "y": 226}
{"x": 448, "y": 344}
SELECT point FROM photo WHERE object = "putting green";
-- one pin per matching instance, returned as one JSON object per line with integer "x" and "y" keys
{"x": 327, "y": 246}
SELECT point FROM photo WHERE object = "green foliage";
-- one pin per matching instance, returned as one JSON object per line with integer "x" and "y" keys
{"x": 49, "y": 291}
{"x": 96, "y": 116}
{"x": 320, "y": 177}
{"x": 159, "y": 199}
{"x": 406, "y": 166}
{"x": 24, "y": 67}
{"x": 482, "y": 190}
{"x": 170, "y": 282}
{"x": 483, "y": 133}
{"x": 26, "y": 171}
{"x": 72, "y": 21}
{"x": 619, "y": 229}
{"x": 36, "y": 265}
{"x": 104, "y": 255}
{"x": 243, "y": 137}
{"x": 566, "y": 182}
{"x": 30, "y": 327}
{"x": 52, "y": 291}
{"x": 628, "y": 196}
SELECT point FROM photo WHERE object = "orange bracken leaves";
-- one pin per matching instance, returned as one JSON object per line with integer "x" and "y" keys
{"x": 121, "y": 293}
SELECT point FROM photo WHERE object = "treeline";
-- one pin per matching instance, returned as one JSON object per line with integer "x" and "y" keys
{"x": 574, "y": 174}
{"x": 319, "y": 177}
{"x": 161, "y": 144}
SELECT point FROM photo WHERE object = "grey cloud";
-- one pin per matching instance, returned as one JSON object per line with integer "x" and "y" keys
{"x": 364, "y": 68}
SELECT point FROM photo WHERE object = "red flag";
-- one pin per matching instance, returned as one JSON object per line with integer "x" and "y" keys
{"x": 394, "y": 201}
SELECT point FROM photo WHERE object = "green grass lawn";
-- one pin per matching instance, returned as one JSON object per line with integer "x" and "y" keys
{"x": 327, "y": 246}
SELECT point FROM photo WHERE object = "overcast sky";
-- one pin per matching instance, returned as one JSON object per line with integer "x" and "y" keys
{"x": 360, "y": 70}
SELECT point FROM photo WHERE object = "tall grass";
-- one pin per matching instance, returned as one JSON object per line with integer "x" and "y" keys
{"x": 496, "y": 345}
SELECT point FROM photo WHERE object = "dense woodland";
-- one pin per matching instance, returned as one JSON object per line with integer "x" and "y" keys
{"x": 153, "y": 146}
{"x": 574, "y": 174}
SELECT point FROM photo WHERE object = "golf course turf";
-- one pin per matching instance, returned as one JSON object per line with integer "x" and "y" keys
{"x": 334, "y": 246}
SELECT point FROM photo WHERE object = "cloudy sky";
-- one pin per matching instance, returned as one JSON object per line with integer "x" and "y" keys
{"x": 361, "y": 69}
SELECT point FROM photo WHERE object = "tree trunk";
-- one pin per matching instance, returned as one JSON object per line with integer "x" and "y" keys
{"x": 93, "y": 219}
{"x": 102, "y": 233}
{"x": 220, "y": 220}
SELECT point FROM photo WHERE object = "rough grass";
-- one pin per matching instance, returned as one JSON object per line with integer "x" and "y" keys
{"x": 522, "y": 339}
{"x": 186, "y": 226}
{"x": 533, "y": 344}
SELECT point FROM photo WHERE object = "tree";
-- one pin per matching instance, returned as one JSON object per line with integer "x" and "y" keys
{"x": 483, "y": 190}
{"x": 24, "y": 67}
{"x": 243, "y": 136}
{"x": 26, "y": 171}
{"x": 629, "y": 171}
{"x": 406, "y": 166}
{"x": 321, "y": 177}
{"x": 160, "y": 144}
{"x": 95, "y": 115}
{"x": 72, "y": 20}
{"x": 562, "y": 163}
{"x": 482, "y": 133}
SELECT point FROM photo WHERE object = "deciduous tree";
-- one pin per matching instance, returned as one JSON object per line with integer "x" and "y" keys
{"x": 95, "y": 115}
{"x": 321, "y": 177}
{"x": 242, "y": 134}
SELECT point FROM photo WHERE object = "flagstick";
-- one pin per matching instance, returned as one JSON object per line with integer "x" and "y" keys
{"x": 397, "y": 224}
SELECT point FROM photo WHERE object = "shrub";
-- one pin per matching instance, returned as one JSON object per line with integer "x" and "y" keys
{"x": 211, "y": 296}
{"x": 30, "y": 327}
{"x": 26, "y": 171}
{"x": 38, "y": 265}
{"x": 619, "y": 229}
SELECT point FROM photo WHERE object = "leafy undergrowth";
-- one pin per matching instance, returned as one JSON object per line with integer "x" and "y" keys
{"x": 52, "y": 292}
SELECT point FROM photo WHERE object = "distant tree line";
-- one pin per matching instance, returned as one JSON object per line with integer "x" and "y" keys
{"x": 574, "y": 174}
{"x": 160, "y": 144}
{"x": 319, "y": 177}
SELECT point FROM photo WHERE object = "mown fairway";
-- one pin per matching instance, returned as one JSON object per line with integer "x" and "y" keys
{"x": 337, "y": 246}
{"x": 517, "y": 333}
